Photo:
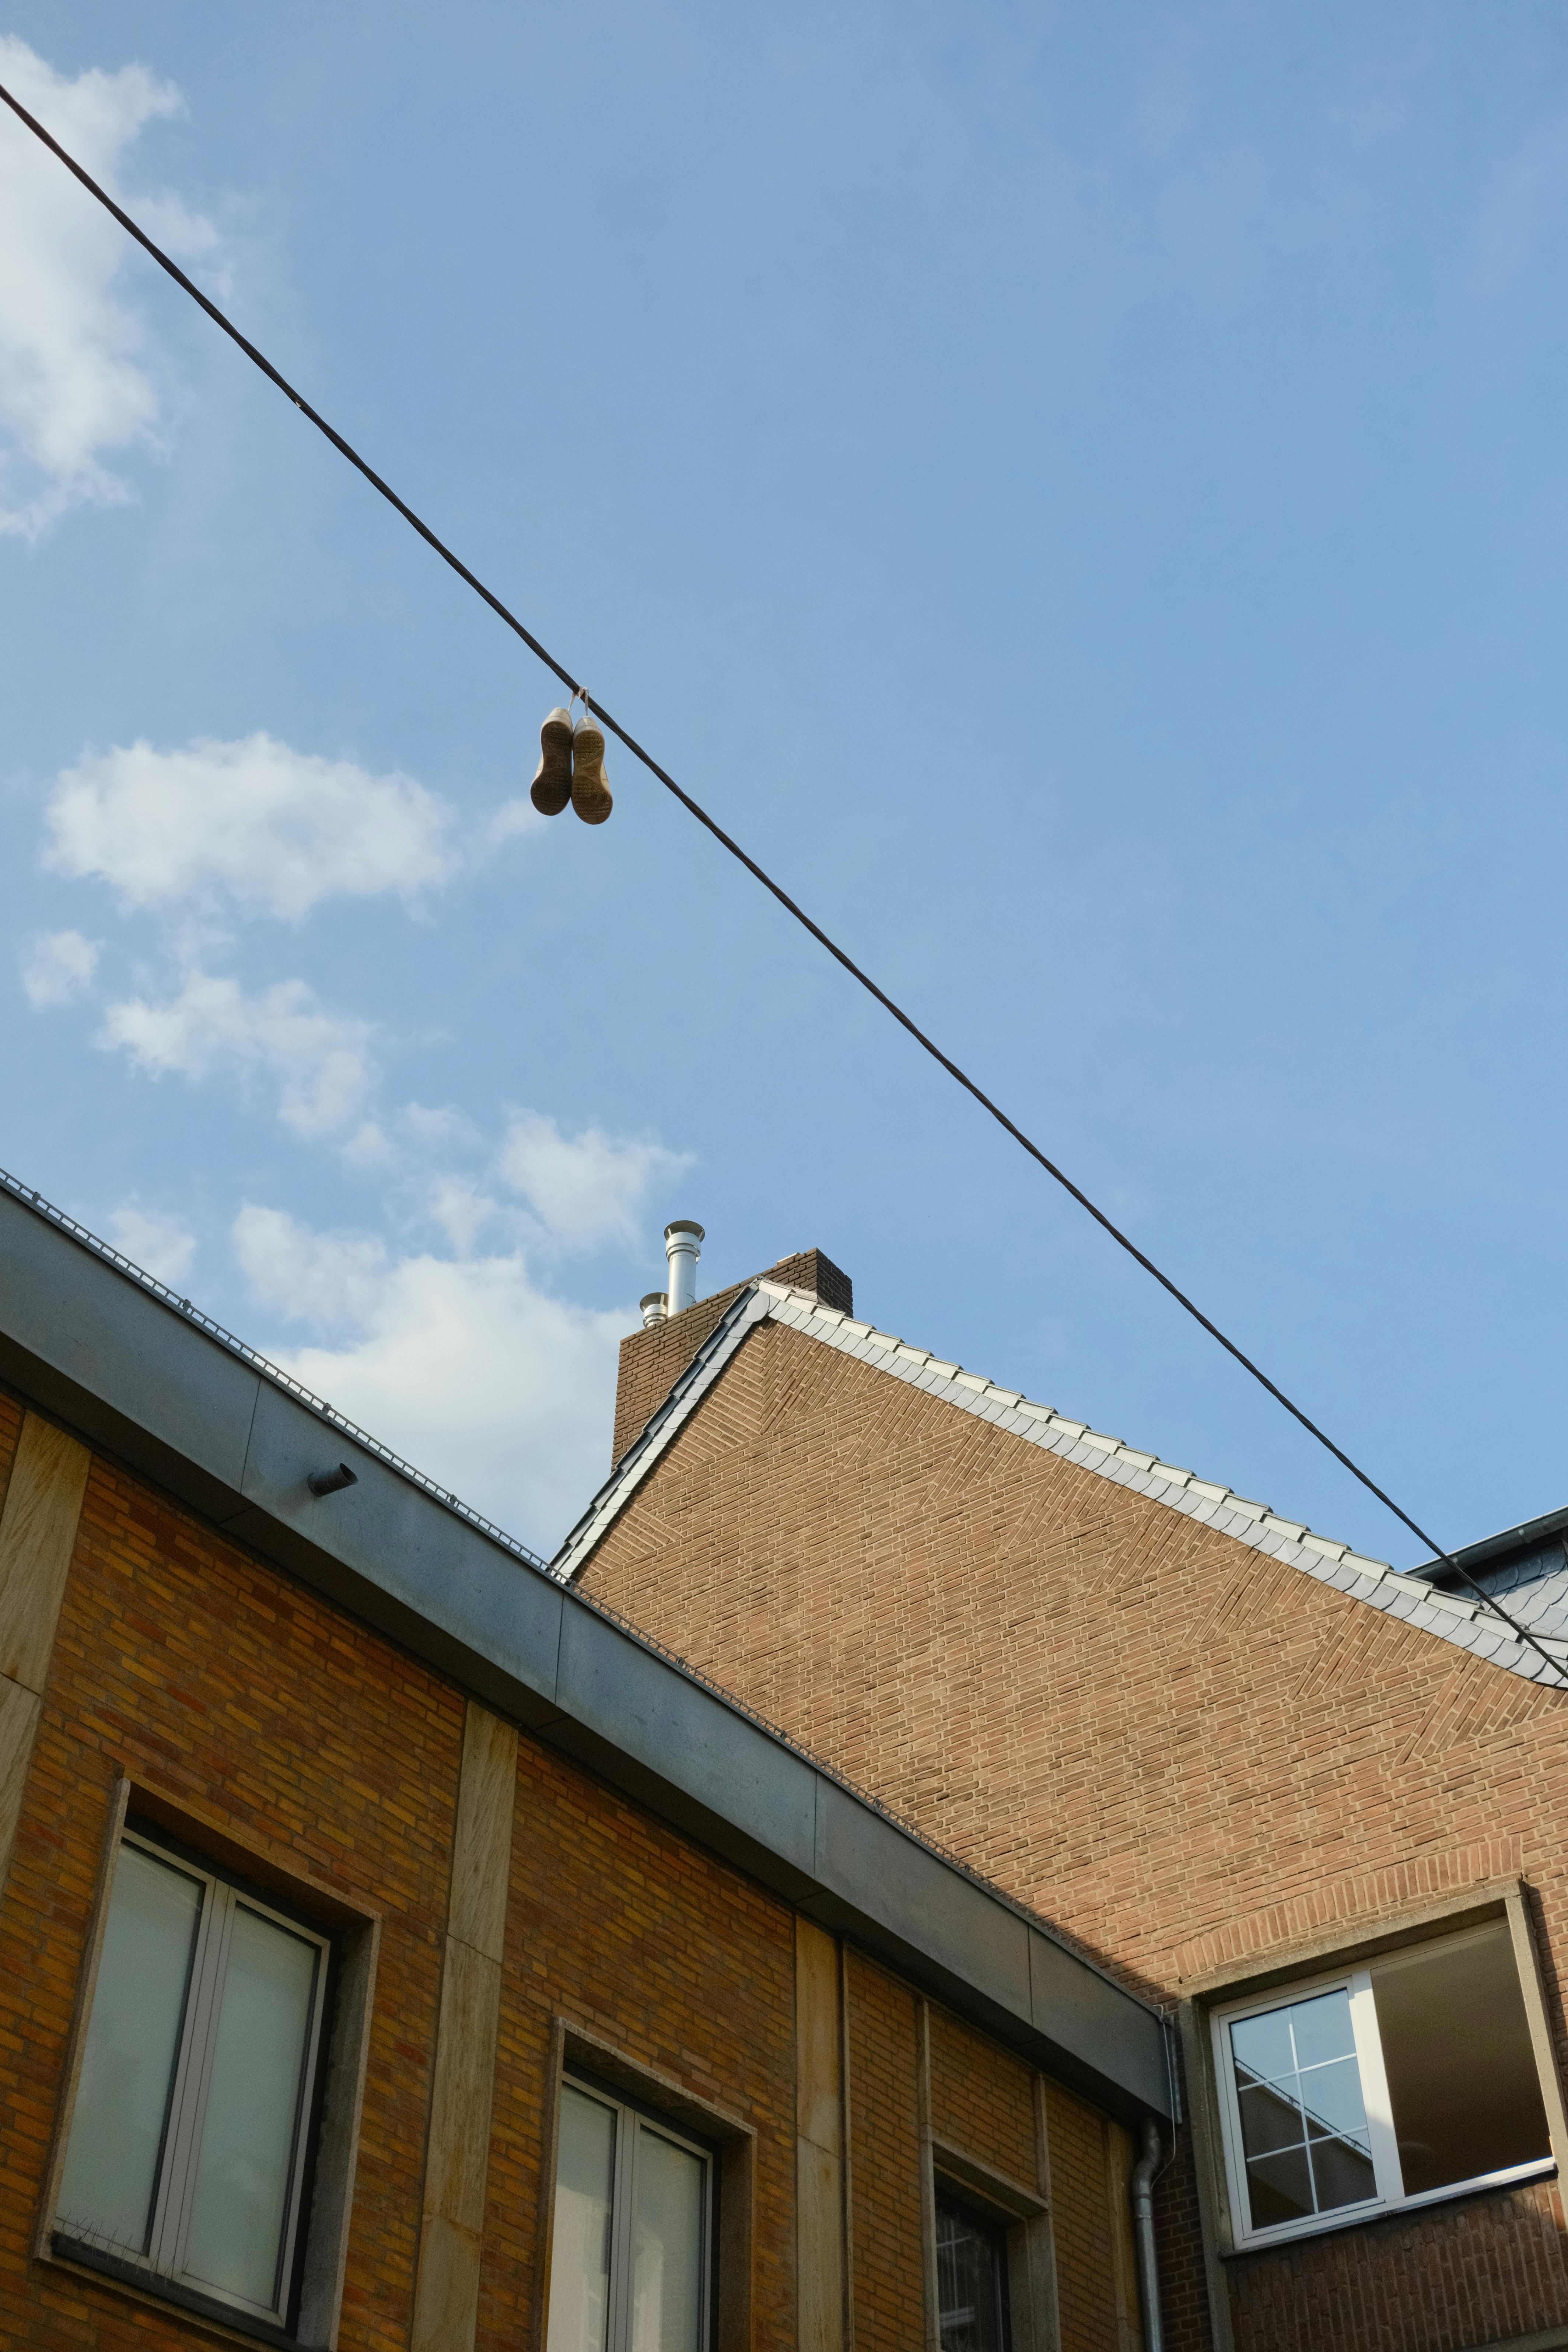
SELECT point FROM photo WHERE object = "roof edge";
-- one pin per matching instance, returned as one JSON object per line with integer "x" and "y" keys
{"x": 1452, "y": 1617}
{"x": 145, "y": 1381}
{"x": 127, "y": 1268}
{"x": 1490, "y": 1547}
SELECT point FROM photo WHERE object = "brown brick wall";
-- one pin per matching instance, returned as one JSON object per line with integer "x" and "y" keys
{"x": 648, "y": 1943}
{"x": 886, "y": 2227}
{"x": 1139, "y": 1724}
{"x": 652, "y": 1360}
{"x": 187, "y": 1666}
{"x": 981, "y": 2099}
{"x": 271, "y": 1723}
{"x": 1081, "y": 2224}
{"x": 1439, "y": 2281}
{"x": 197, "y": 1670}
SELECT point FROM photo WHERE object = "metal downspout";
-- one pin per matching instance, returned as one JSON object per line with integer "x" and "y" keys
{"x": 1143, "y": 2173}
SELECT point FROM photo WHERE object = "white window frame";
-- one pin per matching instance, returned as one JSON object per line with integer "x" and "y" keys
{"x": 631, "y": 2122}
{"x": 164, "y": 2257}
{"x": 1389, "y": 2196}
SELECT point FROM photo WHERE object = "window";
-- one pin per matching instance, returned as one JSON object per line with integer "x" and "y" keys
{"x": 1380, "y": 2086}
{"x": 187, "y": 2140}
{"x": 631, "y": 2253}
{"x": 971, "y": 2280}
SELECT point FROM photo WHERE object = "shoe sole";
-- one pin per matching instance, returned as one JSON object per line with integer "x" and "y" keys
{"x": 552, "y": 786}
{"x": 590, "y": 796}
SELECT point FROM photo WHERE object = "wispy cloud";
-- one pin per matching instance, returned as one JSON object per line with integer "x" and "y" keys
{"x": 212, "y": 835}
{"x": 57, "y": 968}
{"x": 153, "y": 1240}
{"x": 587, "y": 1191}
{"x": 80, "y": 382}
{"x": 320, "y": 1062}
{"x": 463, "y": 1363}
{"x": 251, "y": 827}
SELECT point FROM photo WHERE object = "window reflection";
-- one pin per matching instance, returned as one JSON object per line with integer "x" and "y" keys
{"x": 971, "y": 2279}
{"x": 632, "y": 2238}
{"x": 1303, "y": 2116}
{"x": 186, "y": 2154}
{"x": 1465, "y": 2101}
{"x": 1413, "y": 2075}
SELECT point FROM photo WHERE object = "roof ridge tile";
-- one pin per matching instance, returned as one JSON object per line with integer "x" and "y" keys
{"x": 1447, "y": 1616}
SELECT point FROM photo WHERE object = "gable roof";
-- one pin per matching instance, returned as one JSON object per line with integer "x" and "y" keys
{"x": 1451, "y": 1616}
{"x": 148, "y": 1381}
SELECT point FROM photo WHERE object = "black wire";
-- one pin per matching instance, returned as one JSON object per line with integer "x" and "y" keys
{"x": 817, "y": 933}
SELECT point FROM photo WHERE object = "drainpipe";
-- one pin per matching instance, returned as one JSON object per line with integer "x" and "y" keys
{"x": 1143, "y": 2173}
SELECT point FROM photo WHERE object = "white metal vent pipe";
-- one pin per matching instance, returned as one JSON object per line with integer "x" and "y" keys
{"x": 682, "y": 1248}
{"x": 655, "y": 1306}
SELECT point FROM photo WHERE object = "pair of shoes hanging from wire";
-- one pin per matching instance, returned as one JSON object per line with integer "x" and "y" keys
{"x": 572, "y": 767}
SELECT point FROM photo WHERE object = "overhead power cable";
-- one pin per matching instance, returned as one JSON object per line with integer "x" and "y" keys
{"x": 1520, "y": 1633}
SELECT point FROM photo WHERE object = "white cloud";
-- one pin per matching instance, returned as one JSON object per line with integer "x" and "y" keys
{"x": 327, "y": 1279}
{"x": 155, "y": 1242}
{"x": 77, "y": 381}
{"x": 500, "y": 1393}
{"x": 508, "y": 820}
{"x": 252, "y": 825}
{"x": 320, "y": 1061}
{"x": 462, "y": 1209}
{"x": 438, "y": 1128}
{"x": 57, "y": 968}
{"x": 587, "y": 1190}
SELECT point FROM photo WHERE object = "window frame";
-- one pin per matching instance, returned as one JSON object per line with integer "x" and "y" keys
{"x": 1020, "y": 2213}
{"x": 276, "y": 1873}
{"x": 1355, "y": 1979}
{"x": 578, "y": 2050}
{"x": 641, "y": 2118}
{"x": 163, "y": 2260}
{"x": 946, "y": 2190}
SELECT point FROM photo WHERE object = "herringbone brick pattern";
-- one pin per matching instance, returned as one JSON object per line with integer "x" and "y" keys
{"x": 1172, "y": 1745}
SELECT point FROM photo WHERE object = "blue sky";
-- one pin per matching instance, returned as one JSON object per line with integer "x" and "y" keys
{"x": 1080, "y": 491}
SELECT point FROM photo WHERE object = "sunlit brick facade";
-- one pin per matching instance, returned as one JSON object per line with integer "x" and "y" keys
{"x": 440, "y": 1765}
{"x": 1214, "y": 1765}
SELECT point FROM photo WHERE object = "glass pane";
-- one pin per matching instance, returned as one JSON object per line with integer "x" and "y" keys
{"x": 1461, "y": 2073}
{"x": 1335, "y": 2108}
{"x": 1279, "y": 2188}
{"x": 666, "y": 2247}
{"x": 1322, "y": 2029}
{"x": 246, "y": 2168}
{"x": 132, "y": 2043}
{"x": 969, "y": 2281}
{"x": 580, "y": 2245}
{"x": 1341, "y": 2173}
{"x": 1262, "y": 2045}
{"x": 1297, "y": 2079}
{"x": 1269, "y": 2121}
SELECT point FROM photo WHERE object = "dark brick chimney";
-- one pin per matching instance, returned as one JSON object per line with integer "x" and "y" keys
{"x": 653, "y": 1360}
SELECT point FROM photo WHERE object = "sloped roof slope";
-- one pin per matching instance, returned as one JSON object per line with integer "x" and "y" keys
{"x": 1451, "y": 1617}
{"x": 143, "y": 1377}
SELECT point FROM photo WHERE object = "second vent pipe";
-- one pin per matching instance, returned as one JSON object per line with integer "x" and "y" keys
{"x": 682, "y": 1248}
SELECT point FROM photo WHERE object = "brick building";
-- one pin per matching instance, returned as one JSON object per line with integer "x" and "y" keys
{"x": 397, "y": 1950}
{"x": 1315, "y": 1810}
